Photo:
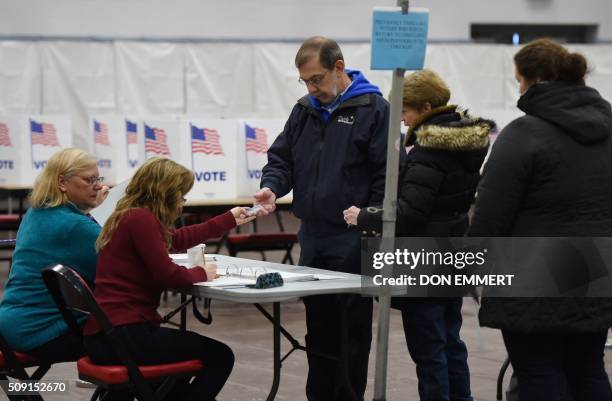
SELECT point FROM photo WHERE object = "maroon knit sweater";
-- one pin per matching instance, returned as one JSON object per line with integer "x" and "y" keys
{"x": 134, "y": 267}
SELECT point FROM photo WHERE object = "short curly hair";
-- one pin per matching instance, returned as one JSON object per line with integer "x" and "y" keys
{"x": 423, "y": 87}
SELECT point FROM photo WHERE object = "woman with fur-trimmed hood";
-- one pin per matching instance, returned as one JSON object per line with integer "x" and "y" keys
{"x": 437, "y": 183}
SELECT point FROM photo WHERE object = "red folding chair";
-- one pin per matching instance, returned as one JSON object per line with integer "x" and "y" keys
{"x": 71, "y": 293}
{"x": 261, "y": 242}
{"x": 13, "y": 364}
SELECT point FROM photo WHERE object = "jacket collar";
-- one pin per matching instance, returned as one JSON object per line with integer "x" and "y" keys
{"x": 361, "y": 100}
{"x": 456, "y": 133}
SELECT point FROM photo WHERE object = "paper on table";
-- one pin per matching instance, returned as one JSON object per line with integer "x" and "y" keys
{"x": 103, "y": 212}
{"x": 183, "y": 259}
{"x": 235, "y": 280}
{"x": 327, "y": 277}
{"x": 196, "y": 255}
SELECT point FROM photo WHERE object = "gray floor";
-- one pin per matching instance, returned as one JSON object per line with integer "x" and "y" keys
{"x": 250, "y": 336}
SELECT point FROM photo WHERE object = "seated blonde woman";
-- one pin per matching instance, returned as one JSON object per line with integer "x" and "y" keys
{"x": 56, "y": 229}
{"x": 134, "y": 268}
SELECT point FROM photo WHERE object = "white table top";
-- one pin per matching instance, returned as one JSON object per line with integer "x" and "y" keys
{"x": 347, "y": 284}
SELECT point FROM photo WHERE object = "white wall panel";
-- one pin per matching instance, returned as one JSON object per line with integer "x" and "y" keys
{"x": 20, "y": 78}
{"x": 275, "y": 79}
{"x": 150, "y": 78}
{"x": 232, "y": 80}
{"x": 78, "y": 79}
{"x": 219, "y": 79}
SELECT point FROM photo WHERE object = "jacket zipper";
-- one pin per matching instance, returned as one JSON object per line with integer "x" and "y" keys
{"x": 319, "y": 151}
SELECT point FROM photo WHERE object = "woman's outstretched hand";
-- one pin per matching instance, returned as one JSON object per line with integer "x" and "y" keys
{"x": 241, "y": 215}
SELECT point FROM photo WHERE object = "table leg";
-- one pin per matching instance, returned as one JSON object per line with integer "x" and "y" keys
{"x": 183, "y": 322}
{"x": 277, "y": 361}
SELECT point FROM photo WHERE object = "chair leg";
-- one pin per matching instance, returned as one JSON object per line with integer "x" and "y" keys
{"x": 40, "y": 372}
{"x": 288, "y": 257}
{"x": 166, "y": 386}
{"x": 500, "y": 378}
{"x": 222, "y": 242}
{"x": 99, "y": 394}
{"x": 4, "y": 378}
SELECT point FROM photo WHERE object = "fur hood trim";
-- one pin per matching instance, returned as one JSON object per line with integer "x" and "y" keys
{"x": 467, "y": 134}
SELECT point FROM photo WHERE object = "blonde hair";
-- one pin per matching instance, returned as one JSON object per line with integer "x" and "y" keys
{"x": 423, "y": 87}
{"x": 67, "y": 163}
{"x": 158, "y": 185}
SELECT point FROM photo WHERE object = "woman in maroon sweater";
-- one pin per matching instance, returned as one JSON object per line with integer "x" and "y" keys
{"x": 133, "y": 269}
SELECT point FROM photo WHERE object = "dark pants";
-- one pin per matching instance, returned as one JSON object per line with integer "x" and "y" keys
{"x": 64, "y": 348}
{"x": 152, "y": 345}
{"x": 323, "y": 317}
{"x": 432, "y": 330}
{"x": 542, "y": 362}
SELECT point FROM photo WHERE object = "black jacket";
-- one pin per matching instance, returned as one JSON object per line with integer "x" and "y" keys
{"x": 549, "y": 174}
{"x": 438, "y": 177}
{"x": 330, "y": 165}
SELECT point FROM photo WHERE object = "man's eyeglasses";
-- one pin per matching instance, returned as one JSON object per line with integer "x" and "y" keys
{"x": 315, "y": 80}
{"x": 93, "y": 180}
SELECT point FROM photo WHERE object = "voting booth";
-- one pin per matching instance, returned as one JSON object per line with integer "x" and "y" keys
{"x": 118, "y": 145}
{"x": 259, "y": 134}
{"x": 27, "y": 143}
{"x": 162, "y": 137}
{"x": 216, "y": 153}
{"x": 226, "y": 155}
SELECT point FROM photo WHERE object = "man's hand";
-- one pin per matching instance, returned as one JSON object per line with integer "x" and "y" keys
{"x": 241, "y": 215}
{"x": 350, "y": 215}
{"x": 266, "y": 198}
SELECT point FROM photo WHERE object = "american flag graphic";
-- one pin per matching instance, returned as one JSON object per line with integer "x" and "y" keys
{"x": 5, "y": 139}
{"x": 256, "y": 139}
{"x": 101, "y": 133}
{"x": 43, "y": 134}
{"x": 155, "y": 141}
{"x": 205, "y": 140}
{"x": 131, "y": 130}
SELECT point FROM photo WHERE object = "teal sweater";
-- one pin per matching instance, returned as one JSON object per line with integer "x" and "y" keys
{"x": 63, "y": 234}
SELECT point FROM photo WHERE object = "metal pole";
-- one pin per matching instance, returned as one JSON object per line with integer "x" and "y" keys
{"x": 389, "y": 217}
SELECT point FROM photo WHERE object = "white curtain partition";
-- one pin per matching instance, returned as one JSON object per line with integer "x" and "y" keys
{"x": 219, "y": 80}
{"x": 78, "y": 80}
{"x": 20, "y": 78}
{"x": 231, "y": 79}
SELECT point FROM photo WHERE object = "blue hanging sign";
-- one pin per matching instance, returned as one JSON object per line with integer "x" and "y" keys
{"x": 399, "y": 40}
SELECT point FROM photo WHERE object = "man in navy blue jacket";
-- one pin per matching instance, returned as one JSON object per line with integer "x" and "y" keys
{"x": 332, "y": 153}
